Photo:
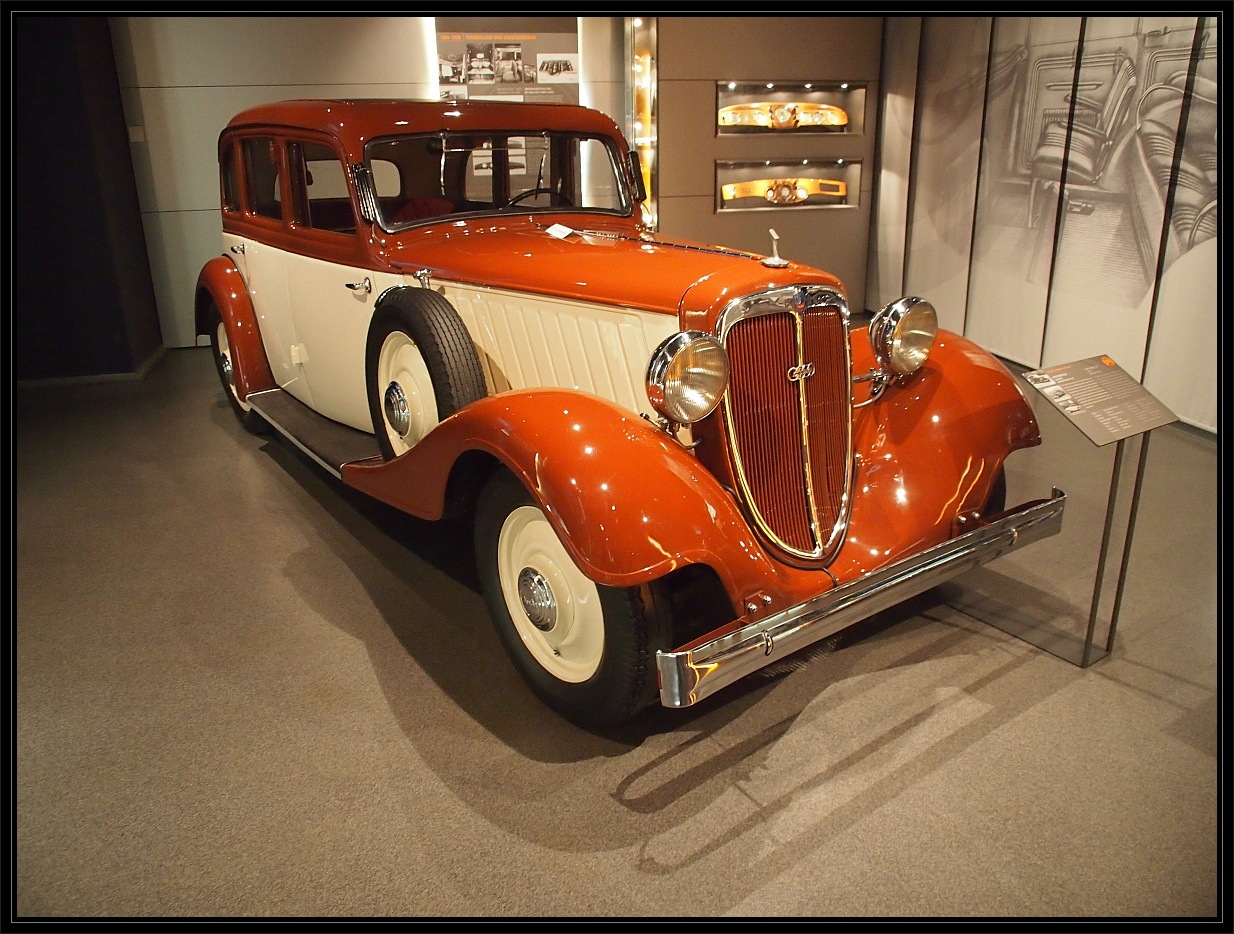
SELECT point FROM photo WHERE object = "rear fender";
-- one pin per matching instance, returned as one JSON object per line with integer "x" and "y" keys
{"x": 220, "y": 282}
{"x": 628, "y": 502}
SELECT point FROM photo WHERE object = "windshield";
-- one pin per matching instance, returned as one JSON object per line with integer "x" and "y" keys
{"x": 423, "y": 178}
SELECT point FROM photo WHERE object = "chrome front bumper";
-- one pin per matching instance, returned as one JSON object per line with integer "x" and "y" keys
{"x": 689, "y": 675}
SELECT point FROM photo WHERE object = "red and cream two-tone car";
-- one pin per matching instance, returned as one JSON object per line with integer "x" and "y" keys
{"x": 681, "y": 462}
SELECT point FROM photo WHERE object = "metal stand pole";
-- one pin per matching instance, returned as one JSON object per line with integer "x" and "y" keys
{"x": 1122, "y": 572}
{"x": 1105, "y": 547}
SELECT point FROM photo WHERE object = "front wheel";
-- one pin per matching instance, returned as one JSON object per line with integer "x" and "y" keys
{"x": 587, "y": 650}
{"x": 997, "y": 500}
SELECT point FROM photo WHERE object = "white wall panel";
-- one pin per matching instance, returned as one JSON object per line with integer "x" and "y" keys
{"x": 952, "y": 92}
{"x": 216, "y": 51}
{"x": 173, "y": 135}
{"x": 888, "y": 236}
{"x": 179, "y": 244}
{"x": 601, "y": 46}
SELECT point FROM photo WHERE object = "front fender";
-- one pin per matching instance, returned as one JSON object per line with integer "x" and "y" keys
{"x": 928, "y": 451}
{"x": 629, "y": 503}
{"x": 220, "y": 281}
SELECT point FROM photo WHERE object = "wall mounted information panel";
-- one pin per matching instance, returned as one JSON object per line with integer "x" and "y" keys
{"x": 787, "y": 185}
{"x": 752, "y": 107}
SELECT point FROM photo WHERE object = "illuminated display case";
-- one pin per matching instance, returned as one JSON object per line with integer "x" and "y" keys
{"x": 787, "y": 185}
{"x": 753, "y": 107}
{"x": 641, "y": 116}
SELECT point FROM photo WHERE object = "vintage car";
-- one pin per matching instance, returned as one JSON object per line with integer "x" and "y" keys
{"x": 680, "y": 460}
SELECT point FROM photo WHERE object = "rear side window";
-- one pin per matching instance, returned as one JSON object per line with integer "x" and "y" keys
{"x": 228, "y": 173}
{"x": 261, "y": 170}
{"x": 323, "y": 199}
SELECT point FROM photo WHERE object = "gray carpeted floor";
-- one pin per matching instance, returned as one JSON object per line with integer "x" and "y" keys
{"x": 245, "y": 690}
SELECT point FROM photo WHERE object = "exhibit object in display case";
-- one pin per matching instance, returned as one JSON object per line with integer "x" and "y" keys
{"x": 785, "y": 190}
{"x": 743, "y": 186}
{"x": 787, "y": 107}
{"x": 679, "y": 460}
{"x": 785, "y": 115}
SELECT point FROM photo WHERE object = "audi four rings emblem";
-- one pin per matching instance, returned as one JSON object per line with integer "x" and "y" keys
{"x": 804, "y": 371}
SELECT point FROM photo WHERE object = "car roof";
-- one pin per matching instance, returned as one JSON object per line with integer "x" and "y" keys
{"x": 355, "y": 121}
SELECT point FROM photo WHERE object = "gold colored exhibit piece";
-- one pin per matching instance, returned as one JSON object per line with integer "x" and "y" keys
{"x": 782, "y": 115}
{"x": 784, "y": 190}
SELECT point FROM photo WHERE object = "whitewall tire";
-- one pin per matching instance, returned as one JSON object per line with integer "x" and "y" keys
{"x": 587, "y": 650}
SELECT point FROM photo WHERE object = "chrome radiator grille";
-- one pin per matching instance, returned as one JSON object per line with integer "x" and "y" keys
{"x": 788, "y": 416}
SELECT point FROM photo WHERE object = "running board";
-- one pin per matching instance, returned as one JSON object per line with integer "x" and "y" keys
{"x": 326, "y": 441}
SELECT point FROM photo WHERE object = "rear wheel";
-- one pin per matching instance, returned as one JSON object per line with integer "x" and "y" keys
{"x": 225, "y": 365}
{"x": 587, "y": 650}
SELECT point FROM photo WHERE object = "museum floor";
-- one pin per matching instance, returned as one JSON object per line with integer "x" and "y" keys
{"x": 244, "y": 690}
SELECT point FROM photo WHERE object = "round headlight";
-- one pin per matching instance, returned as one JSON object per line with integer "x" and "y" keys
{"x": 903, "y": 333}
{"x": 687, "y": 375}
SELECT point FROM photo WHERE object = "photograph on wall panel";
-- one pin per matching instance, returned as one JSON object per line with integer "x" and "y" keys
{"x": 787, "y": 185}
{"x": 533, "y": 59}
{"x": 1091, "y": 185}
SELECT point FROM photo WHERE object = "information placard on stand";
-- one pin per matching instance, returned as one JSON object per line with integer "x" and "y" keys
{"x": 1108, "y": 406}
{"x": 1101, "y": 399}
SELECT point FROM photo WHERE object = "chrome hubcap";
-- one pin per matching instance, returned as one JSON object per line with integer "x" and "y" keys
{"x": 395, "y": 405}
{"x": 537, "y": 599}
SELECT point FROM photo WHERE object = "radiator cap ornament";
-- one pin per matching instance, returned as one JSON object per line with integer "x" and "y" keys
{"x": 774, "y": 260}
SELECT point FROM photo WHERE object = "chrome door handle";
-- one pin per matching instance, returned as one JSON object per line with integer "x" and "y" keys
{"x": 362, "y": 286}
{"x": 238, "y": 248}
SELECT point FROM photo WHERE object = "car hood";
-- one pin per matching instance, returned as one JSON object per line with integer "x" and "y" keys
{"x": 589, "y": 259}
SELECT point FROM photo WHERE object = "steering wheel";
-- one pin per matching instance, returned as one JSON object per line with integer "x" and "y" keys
{"x": 555, "y": 197}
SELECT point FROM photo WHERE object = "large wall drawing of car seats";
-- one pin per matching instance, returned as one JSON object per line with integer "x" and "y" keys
{"x": 533, "y": 59}
{"x": 1096, "y": 215}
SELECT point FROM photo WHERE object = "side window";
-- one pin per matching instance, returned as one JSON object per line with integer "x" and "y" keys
{"x": 323, "y": 200}
{"x": 595, "y": 184}
{"x": 230, "y": 181}
{"x": 261, "y": 170}
{"x": 386, "y": 178}
{"x": 412, "y": 179}
{"x": 478, "y": 156}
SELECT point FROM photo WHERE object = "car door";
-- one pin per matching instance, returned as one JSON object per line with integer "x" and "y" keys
{"x": 258, "y": 251}
{"x": 330, "y": 282}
